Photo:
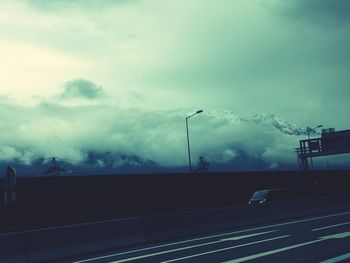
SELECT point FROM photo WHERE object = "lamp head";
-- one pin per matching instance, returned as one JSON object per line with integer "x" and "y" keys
{"x": 199, "y": 111}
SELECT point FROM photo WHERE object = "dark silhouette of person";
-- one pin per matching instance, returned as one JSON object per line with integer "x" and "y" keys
{"x": 10, "y": 186}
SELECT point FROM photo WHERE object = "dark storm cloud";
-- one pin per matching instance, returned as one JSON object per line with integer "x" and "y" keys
{"x": 321, "y": 12}
{"x": 82, "y": 89}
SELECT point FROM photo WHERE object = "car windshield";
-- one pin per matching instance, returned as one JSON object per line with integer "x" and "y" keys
{"x": 260, "y": 194}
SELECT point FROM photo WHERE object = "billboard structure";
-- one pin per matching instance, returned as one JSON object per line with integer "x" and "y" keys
{"x": 331, "y": 142}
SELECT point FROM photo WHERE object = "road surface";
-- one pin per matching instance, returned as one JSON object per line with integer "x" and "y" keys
{"x": 323, "y": 238}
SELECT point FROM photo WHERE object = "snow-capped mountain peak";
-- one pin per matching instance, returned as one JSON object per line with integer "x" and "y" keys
{"x": 227, "y": 115}
{"x": 282, "y": 125}
{"x": 265, "y": 119}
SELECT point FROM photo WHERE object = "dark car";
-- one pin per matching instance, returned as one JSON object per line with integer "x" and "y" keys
{"x": 268, "y": 195}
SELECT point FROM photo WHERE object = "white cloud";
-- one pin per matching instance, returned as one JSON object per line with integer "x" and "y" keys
{"x": 162, "y": 55}
{"x": 72, "y": 132}
{"x": 28, "y": 70}
{"x": 227, "y": 156}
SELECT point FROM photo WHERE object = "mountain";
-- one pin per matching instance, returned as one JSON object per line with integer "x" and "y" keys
{"x": 282, "y": 125}
{"x": 264, "y": 119}
{"x": 95, "y": 163}
{"x": 156, "y": 142}
{"x": 226, "y": 115}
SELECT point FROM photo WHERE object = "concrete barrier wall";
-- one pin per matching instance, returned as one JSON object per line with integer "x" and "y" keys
{"x": 53, "y": 243}
{"x": 52, "y": 201}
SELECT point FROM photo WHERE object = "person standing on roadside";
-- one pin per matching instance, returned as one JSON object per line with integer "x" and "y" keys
{"x": 10, "y": 185}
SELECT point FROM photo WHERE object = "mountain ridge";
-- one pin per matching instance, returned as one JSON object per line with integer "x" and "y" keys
{"x": 138, "y": 159}
{"x": 284, "y": 126}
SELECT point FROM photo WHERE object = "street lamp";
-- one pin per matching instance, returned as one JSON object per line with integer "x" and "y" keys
{"x": 188, "y": 140}
{"x": 308, "y": 135}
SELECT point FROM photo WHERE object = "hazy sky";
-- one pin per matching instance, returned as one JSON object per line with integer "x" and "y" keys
{"x": 289, "y": 58}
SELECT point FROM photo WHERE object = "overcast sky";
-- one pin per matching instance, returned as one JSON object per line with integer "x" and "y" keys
{"x": 289, "y": 58}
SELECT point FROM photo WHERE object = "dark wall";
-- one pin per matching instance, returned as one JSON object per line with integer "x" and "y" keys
{"x": 46, "y": 201}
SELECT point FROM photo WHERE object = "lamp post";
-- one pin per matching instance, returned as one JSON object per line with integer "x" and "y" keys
{"x": 308, "y": 135}
{"x": 188, "y": 140}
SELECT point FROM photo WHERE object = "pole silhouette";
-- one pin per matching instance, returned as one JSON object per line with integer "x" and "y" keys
{"x": 188, "y": 141}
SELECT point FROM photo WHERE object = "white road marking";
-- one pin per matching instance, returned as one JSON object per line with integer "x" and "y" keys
{"x": 337, "y": 259}
{"x": 325, "y": 227}
{"x": 223, "y": 249}
{"x": 245, "y": 236}
{"x": 336, "y": 236}
{"x": 189, "y": 247}
{"x": 267, "y": 253}
{"x": 212, "y": 236}
{"x": 263, "y": 254}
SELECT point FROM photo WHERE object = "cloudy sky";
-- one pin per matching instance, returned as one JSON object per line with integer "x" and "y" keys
{"x": 79, "y": 71}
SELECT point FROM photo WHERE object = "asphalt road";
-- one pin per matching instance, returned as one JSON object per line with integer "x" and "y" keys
{"x": 323, "y": 238}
